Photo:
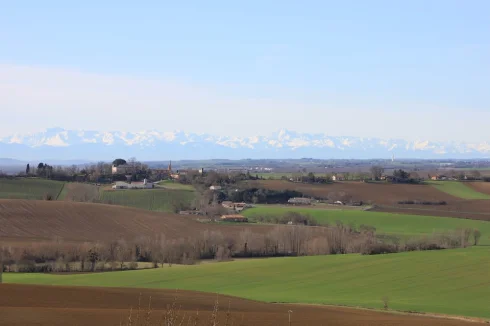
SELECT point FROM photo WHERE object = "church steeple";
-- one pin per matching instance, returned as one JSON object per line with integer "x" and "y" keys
{"x": 170, "y": 166}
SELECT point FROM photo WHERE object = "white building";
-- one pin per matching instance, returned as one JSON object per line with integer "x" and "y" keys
{"x": 121, "y": 169}
{"x": 133, "y": 185}
{"x": 215, "y": 188}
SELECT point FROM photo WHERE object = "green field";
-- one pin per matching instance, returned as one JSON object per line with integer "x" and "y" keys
{"x": 31, "y": 188}
{"x": 386, "y": 223}
{"x": 172, "y": 185}
{"x": 458, "y": 189}
{"x": 455, "y": 282}
{"x": 160, "y": 200}
{"x": 273, "y": 175}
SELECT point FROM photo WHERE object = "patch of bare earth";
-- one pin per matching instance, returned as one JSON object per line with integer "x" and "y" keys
{"x": 24, "y": 221}
{"x": 51, "y": 305}
{"x": 483, "y": 187}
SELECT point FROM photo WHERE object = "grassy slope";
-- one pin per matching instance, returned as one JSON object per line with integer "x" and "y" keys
{"x": 458, "y": 189}
{"x": 449, "y": 282}
{"x": 170, "y": 184}
{"x": 29, "y": 188}
{"x": 389, "y": 223}
{"x": 150, "y": 199}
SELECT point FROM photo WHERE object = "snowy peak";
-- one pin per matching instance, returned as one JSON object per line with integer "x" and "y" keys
{"x": 150, "y": 144}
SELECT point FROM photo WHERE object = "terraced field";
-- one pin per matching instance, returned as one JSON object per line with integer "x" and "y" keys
{"x": 453, "y": 282}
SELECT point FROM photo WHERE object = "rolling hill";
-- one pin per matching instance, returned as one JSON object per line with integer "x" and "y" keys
{"x": 32, "y": 220}
{"x": 453, "y": 282}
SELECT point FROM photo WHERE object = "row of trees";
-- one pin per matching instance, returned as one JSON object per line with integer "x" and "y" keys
{"x": 100, "y": 172}
{"x": 291, "y": 240}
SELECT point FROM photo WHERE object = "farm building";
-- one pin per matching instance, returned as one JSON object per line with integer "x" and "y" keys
{"x": 235, "y": 206}
{"x": 299, "y": 201}
{"x": 338, "y": 177}
{"x": 234, "y": 218}
{"x": 133, "y": 185}
{"x": 227, "y": 204}
{"x": 439, "y": 177}
{"x": 178, "y": 173}
{"x": 215, "y": 188}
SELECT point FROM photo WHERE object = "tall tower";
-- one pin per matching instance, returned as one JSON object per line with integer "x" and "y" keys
{"x": 170, "y": 166}
{"x": 393, "y": 157}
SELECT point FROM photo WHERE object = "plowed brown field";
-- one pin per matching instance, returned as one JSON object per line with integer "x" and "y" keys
{"x": 483, "y": 187}
{"x": 31, "y": 220}
{"x": 471, "y": 209}
{"x": 378, "y": 193}
{"x": 49, "y": 305}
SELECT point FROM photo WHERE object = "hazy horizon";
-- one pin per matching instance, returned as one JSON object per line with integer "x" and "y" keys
{"x": 413, "y": 70}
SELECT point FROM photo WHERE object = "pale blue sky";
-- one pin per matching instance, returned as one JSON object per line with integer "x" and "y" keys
{"x": 289, "y": 64}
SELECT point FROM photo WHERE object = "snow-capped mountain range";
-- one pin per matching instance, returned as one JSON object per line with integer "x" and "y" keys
{"x": 162, "y": 145}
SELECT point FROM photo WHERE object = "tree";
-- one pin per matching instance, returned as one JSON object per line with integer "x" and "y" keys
{"x": 40, "y": 166}
{"x": 28, "y": 169}
{"x": 118, "y": 161}
{"x": 93, "y": 257}
{"x": 133, "y": 163}
{"x": 1, "y": 264}
{"x": 476, "y": 174}
{"x": 476, "y": 236}
{"x": 311, "y": 177}
{"x": 400, "y": 174}
{"x": 377, "y": 172}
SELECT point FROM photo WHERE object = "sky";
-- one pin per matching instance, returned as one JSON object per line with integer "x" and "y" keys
{"x": 391, "y": 69}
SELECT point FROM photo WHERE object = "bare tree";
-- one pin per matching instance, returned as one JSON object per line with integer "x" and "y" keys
{"x": 476, "y": 236}
{"x": 123, "y": 253}
{"x": 1, "y": 265}
{"x": 376, "y": 172}
{"x": 476, "y": 174}
{"x": 133, "y": 164}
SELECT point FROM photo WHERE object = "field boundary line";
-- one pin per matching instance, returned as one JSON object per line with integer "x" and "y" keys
{"x": 61, "y": 190}
{"x": 431, "y": 210}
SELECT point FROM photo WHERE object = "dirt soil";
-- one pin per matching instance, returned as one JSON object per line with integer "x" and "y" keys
{"x": 470, "y": 209}
{"x": 24, "y": 221}
{"x": 51, "y": 305}
{"x": 483, "y": 187}
{"x": 379, "y": 193}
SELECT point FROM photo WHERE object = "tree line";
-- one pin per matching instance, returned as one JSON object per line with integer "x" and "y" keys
{"x": 287, "y": 240}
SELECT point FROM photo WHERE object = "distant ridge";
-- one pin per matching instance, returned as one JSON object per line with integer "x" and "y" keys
{"x": 156, "y": 145}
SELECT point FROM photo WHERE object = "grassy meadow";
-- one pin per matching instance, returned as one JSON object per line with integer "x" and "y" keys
{"x": 404, "y": 225}
{"x": 31, "y": 188}
{"x": 160, "y": 200}
{"x": 454, "y": 282}
{"x": 173, "y": 185}
{"x": 458, "y": 189}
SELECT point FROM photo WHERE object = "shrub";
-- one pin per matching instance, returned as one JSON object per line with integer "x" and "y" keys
{"x": 424, "y": 202}
{"x": 133, "y": 265}
{"x": 48, "y": 197}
